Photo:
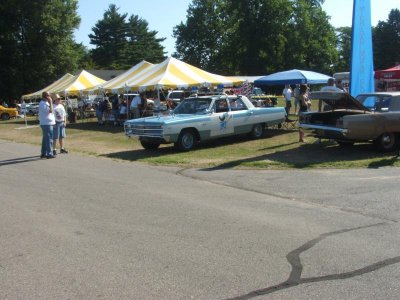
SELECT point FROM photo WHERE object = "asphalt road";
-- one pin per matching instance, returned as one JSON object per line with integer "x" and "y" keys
{"x": 79, "y": 227}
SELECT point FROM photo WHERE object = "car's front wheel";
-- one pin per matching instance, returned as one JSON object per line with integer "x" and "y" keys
{"x": 257, "y": 131}
{"x": 387, "y": 142}
{"x": 186, "y": 140}
{"x": 150, "y": 145}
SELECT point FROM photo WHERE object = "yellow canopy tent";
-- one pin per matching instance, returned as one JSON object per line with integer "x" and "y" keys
{"x": 175, "y": 74}
{"x": 118, "y": 84}
{"x": 76, "y": 85}
{"x": 50, "y": 88}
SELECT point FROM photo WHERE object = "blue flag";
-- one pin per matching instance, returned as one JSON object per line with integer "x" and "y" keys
{"x": 362, "y": 64}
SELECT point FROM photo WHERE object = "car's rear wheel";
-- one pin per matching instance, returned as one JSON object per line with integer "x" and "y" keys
{"x": 387, "y": 142}
{"x": 150, "y": 145}
{"x": 5, "y": 116}
{"x": 186, "y": 140}
{"x": 257, "y": 131}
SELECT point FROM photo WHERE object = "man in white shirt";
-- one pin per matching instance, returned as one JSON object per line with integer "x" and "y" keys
{"x": 46, "y": 121}
{"x": 331, "y": 87}
{"x": 287, "y": 93}
{"x": 136, "y": 101}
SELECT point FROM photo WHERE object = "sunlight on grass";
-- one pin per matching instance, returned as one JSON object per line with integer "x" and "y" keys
{"x": 279, "y": 149}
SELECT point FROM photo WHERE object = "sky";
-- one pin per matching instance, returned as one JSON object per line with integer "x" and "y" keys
{"x": 163, "y": 15}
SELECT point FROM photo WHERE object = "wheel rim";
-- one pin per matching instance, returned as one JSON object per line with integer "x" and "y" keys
{"x": 187, "y": 140}
{"x": 257, "y": 130}
{"x": 387, "y": 140}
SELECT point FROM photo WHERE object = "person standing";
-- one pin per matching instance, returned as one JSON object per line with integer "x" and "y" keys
{"x": 136, "y": 101}
{"x": 296, "y": 94}
{"x": 304, "y": 105}
{"x": 46, "y": 121}
{"x": 59, "y": 128}
{"x": 330, "y": 87}
{"x": 115, "y": 108}
{"x": 143, "y": 104}
{"x": 287, "y": 93}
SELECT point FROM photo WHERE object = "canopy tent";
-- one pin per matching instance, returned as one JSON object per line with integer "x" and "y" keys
{"x": 388, "y": 80}
{"x": 292, "y": 77}
{"x": 391, "y": 73}
{"x": 249, "y": 79}
{"x": 118, "y": 84}
{"x": 50, "y": 88}
{"x": 175, "y": 74}
{"x": 75, "y": 86}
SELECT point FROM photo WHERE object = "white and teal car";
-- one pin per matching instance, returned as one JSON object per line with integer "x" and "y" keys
{"x": 202, "y": 118}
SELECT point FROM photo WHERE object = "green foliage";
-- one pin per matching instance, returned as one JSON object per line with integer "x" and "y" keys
{"x": 36, "y": 44}
{"x": 343, "y": 35}
{"x": 255, "y": 37}
{"x": 120, "y": 43}
{"x": 386, "y": 37}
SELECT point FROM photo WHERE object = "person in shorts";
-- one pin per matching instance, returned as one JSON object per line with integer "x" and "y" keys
{"x": 59, "y": 128}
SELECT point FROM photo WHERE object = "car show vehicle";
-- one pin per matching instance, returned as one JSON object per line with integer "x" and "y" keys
{"x": 202, "y": 118}
{"x": 372, "y": 117}
{"x": 7, "y": 113}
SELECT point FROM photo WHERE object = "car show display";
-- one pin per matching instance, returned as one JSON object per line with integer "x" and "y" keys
{"x": 201, "y": 118}
{"x": 371, "y": 117}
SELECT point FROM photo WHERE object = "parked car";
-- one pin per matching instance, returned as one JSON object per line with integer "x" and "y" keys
{"x": 202, "y": 118}
{"x": 28, "y": 108}
{"x": 7, "y": 113}
{"x": 373, "y": 117}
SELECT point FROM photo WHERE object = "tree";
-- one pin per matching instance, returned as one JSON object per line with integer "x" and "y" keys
{"x": 36, "y": 44}
{"x": 311, "y": 40}
{"x": 142, "y": 43}
{"x": 109, "y": 36}
{"x": 120, "y": 43}
{"x": 343, "y": 35}
{"x": 386, "y": 37}
{"x": 255, "y": 37}
{"x": 199, "y": 40}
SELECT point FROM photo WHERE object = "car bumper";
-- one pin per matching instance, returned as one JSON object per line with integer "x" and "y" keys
{"x": 326, "y": 131}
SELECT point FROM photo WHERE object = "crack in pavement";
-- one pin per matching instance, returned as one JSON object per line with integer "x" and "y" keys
{"x": 294, "y": 260}
{"x": 344, "y": 209}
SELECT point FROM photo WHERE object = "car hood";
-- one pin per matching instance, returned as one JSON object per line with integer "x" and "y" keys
{"x": 170, "y": 119}
{"x": 339, "y": 100}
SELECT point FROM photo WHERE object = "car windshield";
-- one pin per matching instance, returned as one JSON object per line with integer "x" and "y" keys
{"x": 375, "y": 102}
{"x": 193, "y": 106}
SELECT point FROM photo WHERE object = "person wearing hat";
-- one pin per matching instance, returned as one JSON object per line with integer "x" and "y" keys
{"x": 59, "y": 128}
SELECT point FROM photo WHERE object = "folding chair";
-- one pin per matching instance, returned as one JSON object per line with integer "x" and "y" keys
{"x": 290, "y": 124}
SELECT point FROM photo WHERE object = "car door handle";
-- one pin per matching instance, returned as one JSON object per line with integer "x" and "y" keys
{"x": 250, "y": 113}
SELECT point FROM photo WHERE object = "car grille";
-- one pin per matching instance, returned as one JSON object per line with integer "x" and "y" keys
{"x": 143, "y": 130}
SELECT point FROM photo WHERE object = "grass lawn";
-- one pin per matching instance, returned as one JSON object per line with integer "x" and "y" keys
{"x": 279, "y": 149}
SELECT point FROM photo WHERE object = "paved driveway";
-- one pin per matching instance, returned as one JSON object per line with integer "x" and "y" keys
{"x": 79, "y": 227}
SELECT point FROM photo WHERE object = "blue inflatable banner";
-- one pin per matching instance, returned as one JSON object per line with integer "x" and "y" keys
{"x": 362, "y": 65}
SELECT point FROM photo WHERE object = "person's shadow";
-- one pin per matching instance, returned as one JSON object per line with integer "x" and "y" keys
{"x": 18, "y": 160}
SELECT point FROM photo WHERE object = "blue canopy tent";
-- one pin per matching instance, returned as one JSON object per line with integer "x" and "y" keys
{"x": 292, "y": 77}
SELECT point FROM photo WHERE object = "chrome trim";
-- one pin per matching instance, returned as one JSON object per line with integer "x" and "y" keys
{"x": 343, "y": 131}
{"x": 145, "y": 130}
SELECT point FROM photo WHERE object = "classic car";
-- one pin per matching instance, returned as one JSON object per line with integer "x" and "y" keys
{"x": 7, "y": 113}
{"x": 202, "y": 118}
{"x": 373, "y": 117}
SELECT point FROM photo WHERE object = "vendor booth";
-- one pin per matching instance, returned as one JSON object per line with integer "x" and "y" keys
{"x": 388, "y": 79}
